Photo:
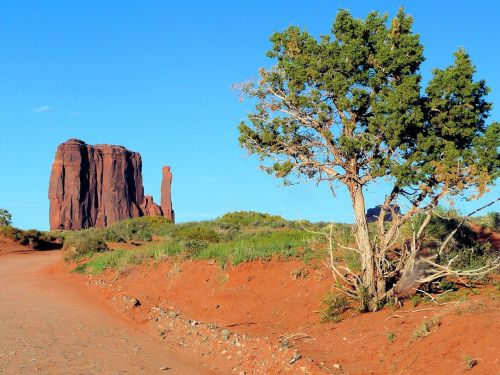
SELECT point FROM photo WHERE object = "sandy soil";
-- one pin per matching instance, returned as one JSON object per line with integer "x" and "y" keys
{"x": 50, "y": 327}
{"x": 256, "y": 318}
{"x": 191, "y": 304}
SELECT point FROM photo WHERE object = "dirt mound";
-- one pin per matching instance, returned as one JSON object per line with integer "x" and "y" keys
{"x": 265, "y": 317}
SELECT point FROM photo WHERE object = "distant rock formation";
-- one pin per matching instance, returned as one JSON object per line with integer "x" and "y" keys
{"x": 372, "y": 214}
{"x": 166, "y": 194}
{"x": 95, "y": 186}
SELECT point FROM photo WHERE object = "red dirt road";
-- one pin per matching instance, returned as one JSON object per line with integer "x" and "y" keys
{"x": 48, "y": 327}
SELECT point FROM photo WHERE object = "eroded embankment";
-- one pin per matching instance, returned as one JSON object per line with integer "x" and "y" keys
{"x": 264, "y": 317}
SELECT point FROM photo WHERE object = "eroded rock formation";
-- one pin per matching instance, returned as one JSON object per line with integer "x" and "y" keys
{"x": 94, "y": 186}
{"x": 166, "y": 194}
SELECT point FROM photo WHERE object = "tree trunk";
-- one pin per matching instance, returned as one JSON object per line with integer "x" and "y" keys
{"x": 364, "y": 245}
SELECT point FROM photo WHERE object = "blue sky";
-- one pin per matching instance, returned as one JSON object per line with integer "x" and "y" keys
{"x": 156, "y": 76}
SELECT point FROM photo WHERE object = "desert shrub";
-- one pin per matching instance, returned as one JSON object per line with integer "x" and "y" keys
{"x": 129, "y": 230}
{"x": 490, "y": 220}
{"x": 8, "y": 231}
{"x": 335, "y": 306}
{"x": 447, "y": 285}
{"x": 137, "y": 229}
{"x": 442, "y": 223}
{"x": 252, "y": 218}
{"x": 165, "y": 249}
{"x": 390, "y": 336}
{"x": 31, "y": 237}
{"x": 426, "y": 328}
{"x": 469, "y": 257}
{"x": 470, "y": 362}
{"x": 193, "y": 232}
{"x": 84, "y": 243}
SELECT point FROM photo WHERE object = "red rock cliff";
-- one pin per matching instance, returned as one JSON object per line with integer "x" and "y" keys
{"x": 94, "y": 186}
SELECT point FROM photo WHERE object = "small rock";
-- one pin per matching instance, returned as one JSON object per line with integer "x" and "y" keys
{"x": 336, "y": 365}
{"x": 295, "y": 358}
{"x": 130, "y": 301}
{"x": 226, "y": 333}
{"x": 165, "y": 368}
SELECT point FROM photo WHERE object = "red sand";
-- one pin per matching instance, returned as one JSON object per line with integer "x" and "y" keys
{"x": 263, "y": 301}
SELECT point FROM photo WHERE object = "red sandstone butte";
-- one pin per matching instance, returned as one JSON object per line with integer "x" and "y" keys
{"x": 166, "y": 194}
{"x": 95, "y": 186}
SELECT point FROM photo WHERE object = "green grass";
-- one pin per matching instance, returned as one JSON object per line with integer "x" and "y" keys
{"x": 390, "y": 336}
{"x": 231, "y": 239}
{"x": 282, "y": 244}
{"x": 119, "y": 260}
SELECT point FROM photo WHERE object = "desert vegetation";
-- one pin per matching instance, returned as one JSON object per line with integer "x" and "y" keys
{"x": 5, "y": 217}
{"x": 231, "y": 239}
{"x": 350, "y": 109}
{"x": 33, "y": 238}
{"x": 240, "y": 237}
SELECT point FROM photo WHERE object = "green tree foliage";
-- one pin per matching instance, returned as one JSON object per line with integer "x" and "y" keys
{"x": 5, "y": 217}
{"x": 350, "y": 107}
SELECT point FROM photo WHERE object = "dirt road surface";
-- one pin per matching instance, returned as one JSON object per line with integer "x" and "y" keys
{"x": 49, "y": 327}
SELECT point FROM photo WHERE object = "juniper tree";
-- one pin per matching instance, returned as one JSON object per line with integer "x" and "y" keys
{"x": 350, "y": 108}
{"x": 5, "y": 217}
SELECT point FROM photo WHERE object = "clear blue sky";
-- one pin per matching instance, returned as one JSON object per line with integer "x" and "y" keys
{"x": 156, "y": 76}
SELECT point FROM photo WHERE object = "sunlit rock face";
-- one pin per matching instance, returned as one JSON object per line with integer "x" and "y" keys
{"x": 95, "y": 186}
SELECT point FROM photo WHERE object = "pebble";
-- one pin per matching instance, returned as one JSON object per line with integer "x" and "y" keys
{"x": 295, "y": 358}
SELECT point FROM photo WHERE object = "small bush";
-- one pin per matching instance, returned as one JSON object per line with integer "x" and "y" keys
{"x": 31, "y": 237}
{"x": 84, "y": 243}
{"x": 490, "y": 220}
{"x": 157, "y": 252}
{"x": 469, "y": 258}
{"x": 196, "y": 233}
{"x": 390, "y": 336}
{"x": 252, "y": 218}
{"x": 415, "y": 300}
{"x": 470, "y": 362}
{"x": 447, "y": 285}
{"x": 137, "y": 229}
{"x": 336, "y": 306}
{"x": 425, "y": 328}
